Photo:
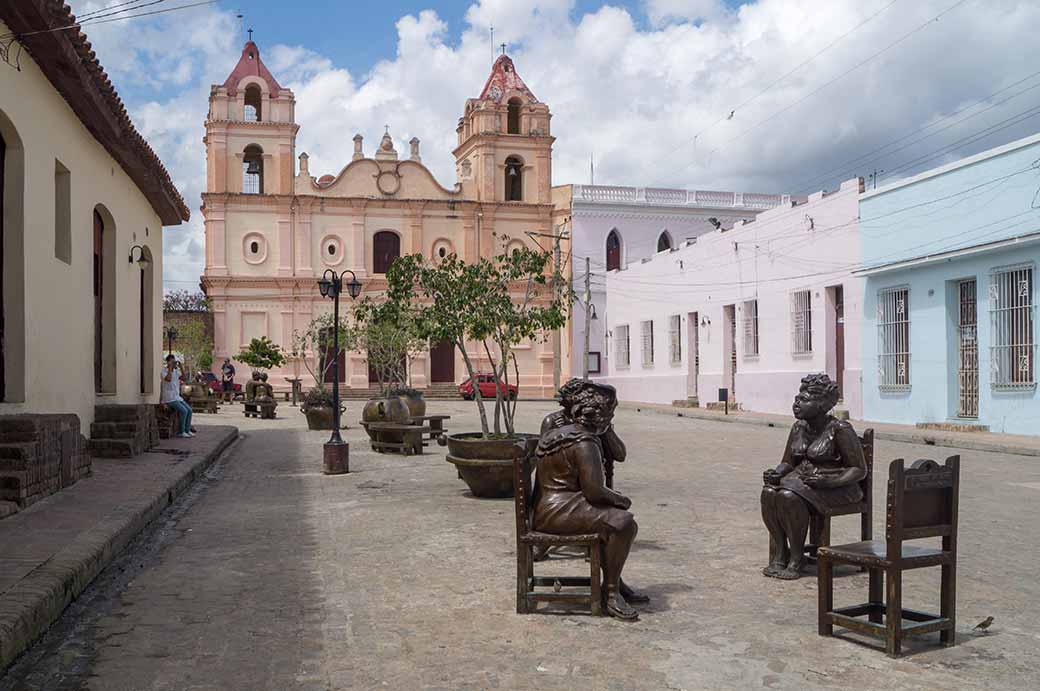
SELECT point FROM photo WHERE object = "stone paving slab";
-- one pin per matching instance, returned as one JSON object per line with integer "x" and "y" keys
{"x": 394, "y": 577}
{"x": 1017, "y": 444}
{"x": 52, "y": 550}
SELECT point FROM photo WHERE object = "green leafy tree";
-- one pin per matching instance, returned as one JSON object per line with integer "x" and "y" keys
{"x": 195, "y": 346}
{"x": 497, "y": 302}
{"x": 390, "y": 338}
{"x": 314, "y": 345}
{"x": 262, "y": 353}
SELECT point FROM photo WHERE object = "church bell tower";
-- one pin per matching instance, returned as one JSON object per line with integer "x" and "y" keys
{"x": 504, "y": 142}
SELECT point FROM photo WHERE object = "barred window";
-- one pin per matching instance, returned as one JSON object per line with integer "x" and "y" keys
{"x": 751, "y": 328}
{"x": 893, "y": 313}
{"x": 801, "y": 322}
{"x": 621, "y": 346}
{"x": 648, "y": 343}
{"x": 1012, "y": 313}
{"x": 674, "y": 339}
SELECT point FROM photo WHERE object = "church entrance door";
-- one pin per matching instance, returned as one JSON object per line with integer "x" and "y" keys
{"x": 442, "y": 362}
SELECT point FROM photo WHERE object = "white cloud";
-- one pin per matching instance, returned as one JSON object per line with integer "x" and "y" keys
{"x": 635, "y": 96}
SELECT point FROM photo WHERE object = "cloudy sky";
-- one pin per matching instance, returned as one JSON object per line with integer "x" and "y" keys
{"x": 769, "y": 96}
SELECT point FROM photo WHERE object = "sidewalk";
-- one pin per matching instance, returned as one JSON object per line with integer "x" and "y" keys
{"x": 52, "y": 550}
{"x": 976, "y": 441}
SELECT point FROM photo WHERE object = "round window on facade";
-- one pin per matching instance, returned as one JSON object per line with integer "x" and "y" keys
{"x": 331, "y": 250}
{"x": 442, "y": 248}
{"x": 254, "y": 248}
{"x": 442, "y": 252}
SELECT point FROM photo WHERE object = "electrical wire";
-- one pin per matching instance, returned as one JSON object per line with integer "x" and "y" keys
{"x": 103, "y": 20}
{"x": 823, "y": 86}
{"x": 810, "y": 184}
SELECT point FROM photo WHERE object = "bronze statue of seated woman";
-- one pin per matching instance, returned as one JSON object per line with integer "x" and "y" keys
{"x": 820, "y": 471}
{"x": 571, "y": 496}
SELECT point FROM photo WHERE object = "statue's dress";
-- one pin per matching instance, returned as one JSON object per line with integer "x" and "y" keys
{"x": 810, "y": 455}
{"x": 560, "y": 507}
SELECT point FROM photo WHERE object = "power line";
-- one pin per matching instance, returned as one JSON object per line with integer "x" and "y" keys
{"x": 101, "y": 20}
{"x": 793, "y": 70}
{"x": 821, "y": 179}
{"x": 852, "y": 69}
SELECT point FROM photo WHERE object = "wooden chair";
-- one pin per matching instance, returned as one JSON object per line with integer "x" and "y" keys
{"x": 922, "y": 503}
{"x": 527, "y": 540}
{"x": 820, "y": 524}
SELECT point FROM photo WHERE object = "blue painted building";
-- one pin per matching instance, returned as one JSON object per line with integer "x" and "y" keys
{"x": 949, "y": 325}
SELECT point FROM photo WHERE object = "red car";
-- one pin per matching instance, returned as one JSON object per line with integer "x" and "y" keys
{"x": 486, "y": 382}
{"x": 216, "y": 386}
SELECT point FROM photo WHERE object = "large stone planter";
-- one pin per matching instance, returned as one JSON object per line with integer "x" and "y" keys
{"x": 486, "y": 465}
{"x": 386, "y": 409}
{"x": 319, "y": 417}
{"x": 415, "y": 402}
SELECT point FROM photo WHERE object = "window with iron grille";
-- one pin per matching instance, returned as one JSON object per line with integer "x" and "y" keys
{"x": 648, "y": 343}
{"x": 751, "y": 328}
{"x": 893, "y": 312}
{"x": 1012, "y": 314}
{"x": 621, "y": 346}
{"x": 674, "y": 339}
{"x": 801, "y": 322}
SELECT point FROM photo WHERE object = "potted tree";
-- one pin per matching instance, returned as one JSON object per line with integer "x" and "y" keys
{"x": 498, "y": 303}
{"x": 313, "y": 347}
{"x": 390, "y": 339}
{"x": 261, "y": 354}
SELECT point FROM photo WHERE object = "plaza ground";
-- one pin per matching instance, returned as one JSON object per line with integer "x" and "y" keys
{"x": 270, "y": 575}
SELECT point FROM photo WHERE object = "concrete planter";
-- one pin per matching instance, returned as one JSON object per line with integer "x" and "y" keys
{"x": 486, "y": 465}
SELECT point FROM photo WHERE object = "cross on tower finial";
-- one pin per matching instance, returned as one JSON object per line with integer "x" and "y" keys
{"x": 503, "y": 46}
{"x": 250, "y": 34}
{"x": 387, "y": 129}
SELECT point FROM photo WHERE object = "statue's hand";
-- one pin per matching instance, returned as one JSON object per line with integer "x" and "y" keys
{"x": 771, "y": 477}
{"x": 818, "y": 481}
{"x": 624, "y": 503}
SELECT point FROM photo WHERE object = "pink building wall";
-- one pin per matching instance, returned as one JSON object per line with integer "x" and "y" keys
{"x": 708, "y": 282}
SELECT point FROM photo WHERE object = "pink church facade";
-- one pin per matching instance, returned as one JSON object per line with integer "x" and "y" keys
{"x": 272, "y": 228}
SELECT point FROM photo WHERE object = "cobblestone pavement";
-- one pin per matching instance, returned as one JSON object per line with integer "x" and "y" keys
{"x": 270, "y": 575}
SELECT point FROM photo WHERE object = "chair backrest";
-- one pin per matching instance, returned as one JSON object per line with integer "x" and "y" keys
{"x": 867, "y": 483}
{"x": 922, "y": 501}
{"x": 522, "y": 494}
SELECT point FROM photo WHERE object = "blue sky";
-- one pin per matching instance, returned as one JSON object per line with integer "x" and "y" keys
{"x": 777, "y": 96}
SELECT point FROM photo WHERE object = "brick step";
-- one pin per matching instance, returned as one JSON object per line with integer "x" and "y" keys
{"x": 118, "y": 413}
{"x": 17, "y": 451}
{"x": 8, "y": 508}
{"x": 111, "y": 448}
{"x": 113, "y": 430}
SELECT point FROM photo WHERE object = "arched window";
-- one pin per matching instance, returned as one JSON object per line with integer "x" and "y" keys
{"x": 664, "y": 242}
{"x": 253, "y": 103}
{"x": 253, "y": 170}
{"x": 386, "y": 247}
{"x": 514, "y": 179}
{"x": 613, "y": 251}
{"x": 104, "y": 301}
{"x": 12, "y": 264}
{"x": 513, "y": 116}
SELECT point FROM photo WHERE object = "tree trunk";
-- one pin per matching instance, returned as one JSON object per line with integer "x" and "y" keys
{"x": 476, "y": 389}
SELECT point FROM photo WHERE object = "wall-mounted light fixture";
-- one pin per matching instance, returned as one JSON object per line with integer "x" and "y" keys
{"x": 142, "y": 261}
{"x": 705, "y": 321}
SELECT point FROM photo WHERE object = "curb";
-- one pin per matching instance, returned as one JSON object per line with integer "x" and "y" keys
{"x": 919, "y": 437}
{"x": 29, "y": 608}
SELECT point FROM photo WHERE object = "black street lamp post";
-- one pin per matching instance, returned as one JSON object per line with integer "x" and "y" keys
{"x": 336, "y": 451}
{"x": 171, "y": 336}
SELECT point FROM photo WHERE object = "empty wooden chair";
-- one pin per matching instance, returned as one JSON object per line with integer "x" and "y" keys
{"x": 582, "y": 590}
{"x": 922, "y": 503}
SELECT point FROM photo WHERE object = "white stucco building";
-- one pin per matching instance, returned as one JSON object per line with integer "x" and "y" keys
{"x": 751, "y": 309}
{"x": 616, "y": 226}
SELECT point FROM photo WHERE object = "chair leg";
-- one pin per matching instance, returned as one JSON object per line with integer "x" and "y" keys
{"x": 876, "y": 596}
{"x": 595, "y": 580}
{"x": 825, "y": 596}
{"x": 893, "y": 612}
{"x": 523, "y": 567}
{"x": 948, "y": 603}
